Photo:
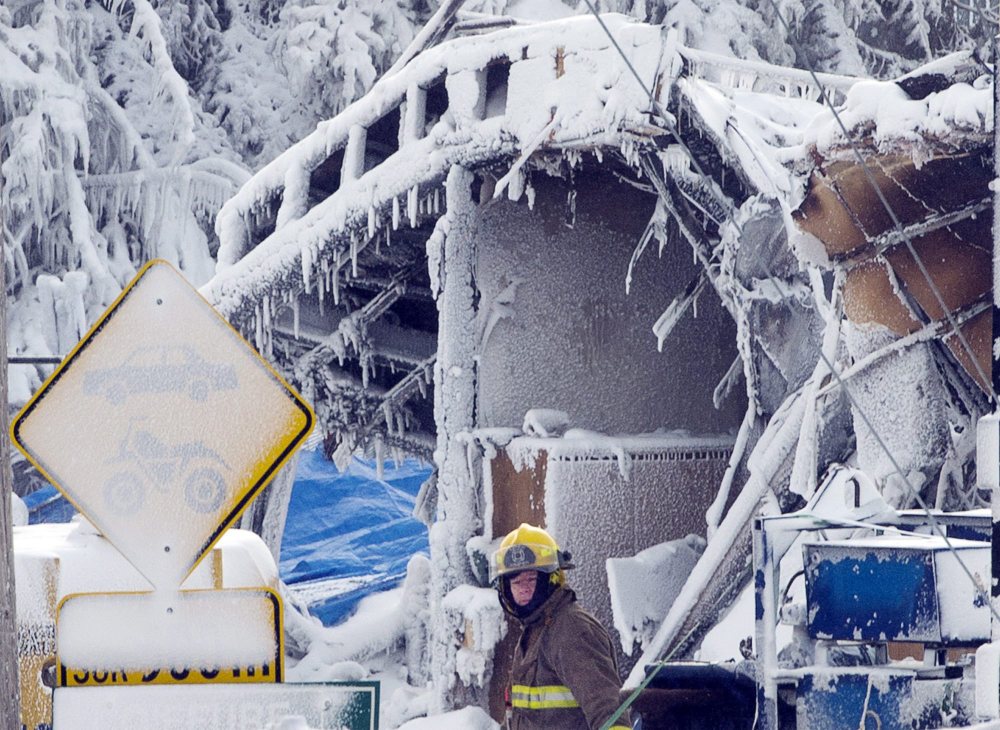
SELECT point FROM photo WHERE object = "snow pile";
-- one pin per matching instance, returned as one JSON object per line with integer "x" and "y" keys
{"x": 644, "y": 587}
{"x": 386, "y": 640}
{"x": 545, "y": 422}
{"x": 468, "y": 718}
{"x": 18, "y": 510}
{"x": 887, "y": 117}
{"x": 378, "y": 629}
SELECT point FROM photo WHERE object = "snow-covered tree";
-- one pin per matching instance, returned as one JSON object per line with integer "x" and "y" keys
{"x": 124, "y": 124}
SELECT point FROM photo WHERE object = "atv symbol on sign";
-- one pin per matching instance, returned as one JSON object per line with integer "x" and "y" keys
{"x": 161, "y": 369}
{"x": 147, "y": 462}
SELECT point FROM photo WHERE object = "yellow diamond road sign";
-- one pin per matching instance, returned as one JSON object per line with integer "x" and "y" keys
{"x": 162, "y": 425}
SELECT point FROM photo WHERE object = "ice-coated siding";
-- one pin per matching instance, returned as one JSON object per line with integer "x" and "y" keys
{"x": 597, "y": 514}
{"x": 572, "y": 339}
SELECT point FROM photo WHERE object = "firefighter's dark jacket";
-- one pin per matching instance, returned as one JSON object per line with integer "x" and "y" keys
{"x": 564, "y": 675}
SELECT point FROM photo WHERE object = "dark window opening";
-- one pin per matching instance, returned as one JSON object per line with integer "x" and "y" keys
{"x": 325, "y": 179}
{"x": 264, "y": 220}
{"x": 436, "y": 104}
{"x": 382, "y": 140}
{"x": 497, "y": 75}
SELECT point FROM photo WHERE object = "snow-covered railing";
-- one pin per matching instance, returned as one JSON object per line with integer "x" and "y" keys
{"x": 763, "y": 77}
{"x": 470, "y": 101}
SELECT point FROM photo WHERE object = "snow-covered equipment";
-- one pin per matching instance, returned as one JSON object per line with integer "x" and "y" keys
{"x": 887, "y": 623}
{"x": 864, "y": 617}
{"x": 163, "y": 451}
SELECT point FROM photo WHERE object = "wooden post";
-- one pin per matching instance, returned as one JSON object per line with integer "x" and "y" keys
{"x": 10, "y": 712}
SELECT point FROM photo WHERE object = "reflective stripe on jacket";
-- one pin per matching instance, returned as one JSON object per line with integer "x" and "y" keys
{"x": 564, "y": 675}
{"x": 542, "y": 698}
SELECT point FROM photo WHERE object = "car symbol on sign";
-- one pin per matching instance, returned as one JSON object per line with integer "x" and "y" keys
{"x": 161, "y": 369}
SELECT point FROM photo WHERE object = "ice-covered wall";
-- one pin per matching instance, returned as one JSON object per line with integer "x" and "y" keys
{"x": 562, "y": 332}
{"x": 596, "y": 514}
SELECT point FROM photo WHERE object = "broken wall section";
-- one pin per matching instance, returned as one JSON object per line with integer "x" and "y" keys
{"x": 562, "y": 332}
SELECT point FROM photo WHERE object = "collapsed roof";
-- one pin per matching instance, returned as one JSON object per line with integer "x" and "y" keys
{"x": 345, "y": 215}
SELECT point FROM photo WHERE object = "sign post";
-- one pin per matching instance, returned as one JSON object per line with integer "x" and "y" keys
{"x": 10, "y": 713}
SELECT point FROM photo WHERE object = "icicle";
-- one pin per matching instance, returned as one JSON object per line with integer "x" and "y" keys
{"x": 336, "y": 288}
{"x": 258, "y": 334}
{"x": 295, "y": 316}
{"x": 411, "y": 205}
{"x": 422, "y": 387}
{"x": 471, "y": 452}
{"x": 306, "y": 266}
{"x": 354, "y": 256}
{"x": 387, "y": 415}
{"x": 529, "y": 190}
{"x": 379, "y": 459}
{"x": 319, "y": 285}
{"x": 371, "y": 221}
{"x": 395, "y": 213}
{"x": 437, "y": 201}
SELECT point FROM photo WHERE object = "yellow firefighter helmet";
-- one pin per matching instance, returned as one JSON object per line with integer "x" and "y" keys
{"x": 528, "y": 548}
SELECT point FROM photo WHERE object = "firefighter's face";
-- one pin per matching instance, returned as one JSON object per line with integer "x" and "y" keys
{"x": 522, "y": 586}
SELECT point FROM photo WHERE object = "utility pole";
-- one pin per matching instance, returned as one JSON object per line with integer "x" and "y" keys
{"x": 995, "y": 373}
{"x": 10, "y": 704}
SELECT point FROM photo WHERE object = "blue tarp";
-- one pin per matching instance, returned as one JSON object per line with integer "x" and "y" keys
{"x": 48, "y": 505}
{"x": 339, "y": 526}
{"x": 351, "y": 525}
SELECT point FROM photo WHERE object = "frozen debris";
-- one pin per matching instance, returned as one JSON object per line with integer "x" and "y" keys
{"x": 502, "y": 307}
{"x": 417, "y": 621}
{"x": 545, "y": 422}
{"x": 489, "y": 440}
{"x": 644, "y": 586}
{"x": 677, "y": 309}
{"x": 913, "y": 429}
{"x": 478, "y": 624}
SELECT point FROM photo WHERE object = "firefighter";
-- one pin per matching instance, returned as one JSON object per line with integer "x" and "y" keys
{"x": 564, "y": 675}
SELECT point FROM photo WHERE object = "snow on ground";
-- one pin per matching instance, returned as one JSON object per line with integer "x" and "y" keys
{"x": 468, "y": 718}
